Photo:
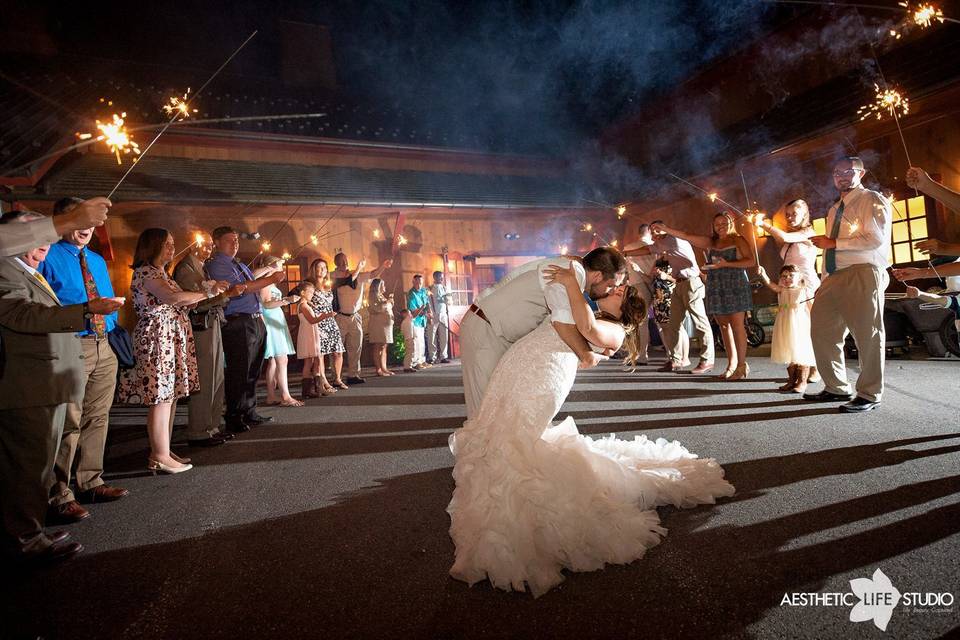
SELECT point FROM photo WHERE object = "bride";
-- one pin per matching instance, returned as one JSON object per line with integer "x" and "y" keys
{"x": 531, "y": 498}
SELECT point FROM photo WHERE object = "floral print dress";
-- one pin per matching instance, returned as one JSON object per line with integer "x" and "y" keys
{"x": 166, "y": 367}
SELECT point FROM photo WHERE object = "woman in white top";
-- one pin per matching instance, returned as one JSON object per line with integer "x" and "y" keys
{"x": 796, "y": 249}
{"x": 795, "y": 245}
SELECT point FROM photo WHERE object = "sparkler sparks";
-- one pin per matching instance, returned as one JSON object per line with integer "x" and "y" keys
{"x": 314, "y": 240}
{"x": 587, "y": 227}
{"x": 179, "y": 106}
{"x": 401, "y": 240}
{"x": 564, "y": 249}
{"x": 621, "y": 211}
{"x": 198, "y": 238}
{"x": 924, "y": 14}
{"x": 116, "y": 136}
{"x": 285, "y": 256}
{"x": 887, "y": 100}
{"x": 713, "y": 197}
{"x": 265, "y": 246}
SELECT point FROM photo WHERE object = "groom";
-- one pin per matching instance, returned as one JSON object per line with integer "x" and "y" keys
{"x": 518, "y": 304}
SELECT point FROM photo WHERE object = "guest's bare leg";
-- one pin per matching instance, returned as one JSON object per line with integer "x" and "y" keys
{"x": 158, "y": 432}
{"x": 271, "y": 376}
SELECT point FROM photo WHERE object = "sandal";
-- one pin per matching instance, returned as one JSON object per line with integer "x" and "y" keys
{"x": 340, "y": 384}
{"x": 292, "y": 402}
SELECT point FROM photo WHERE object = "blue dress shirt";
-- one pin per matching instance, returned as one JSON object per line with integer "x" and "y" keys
{"x": 61, "y": 268}
{"x": 223, "y": 267}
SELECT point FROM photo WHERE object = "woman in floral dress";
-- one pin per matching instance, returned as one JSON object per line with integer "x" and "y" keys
{"x": 166, "y": 367}
{"x": 329, "y": 340}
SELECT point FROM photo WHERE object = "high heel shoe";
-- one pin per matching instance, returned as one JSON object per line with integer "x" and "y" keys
{"x": 741, "y": 373}
{"x": 156, "y": 465}
{"x": 726, "y": 375}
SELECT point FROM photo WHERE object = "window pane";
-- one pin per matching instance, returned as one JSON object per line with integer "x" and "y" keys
{"x": 890, "y": 254}
{"x": 902, "y": 253}
{"x": 916, "y": 207}
{"x": 900, "y": 232}
{"x": 819, "y": 225}
{"x": 918, "y": 228}
{"x": 899, "y": 210}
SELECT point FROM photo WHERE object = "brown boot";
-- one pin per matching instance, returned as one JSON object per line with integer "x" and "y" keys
{"x": 791, "y": 379}
{"x": 801, "y": 379}
{"x": 308, "y": 389}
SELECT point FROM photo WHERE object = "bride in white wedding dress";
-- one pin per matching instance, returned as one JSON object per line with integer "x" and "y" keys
{"x": 531, "y": 498}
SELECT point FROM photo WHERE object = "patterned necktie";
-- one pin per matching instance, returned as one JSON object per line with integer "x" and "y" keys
{"x": 830, "y": 255}
{"x": 43, "y": 283}
{"x": 97, "y": 323}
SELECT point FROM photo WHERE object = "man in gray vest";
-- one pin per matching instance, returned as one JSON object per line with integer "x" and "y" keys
{"x": 518, "y": 304}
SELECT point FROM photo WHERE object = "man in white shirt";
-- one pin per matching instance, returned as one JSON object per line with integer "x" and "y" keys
{"x": 850, "y": 300}
{"x": 438, "y": 322}
{"x": 349, "y": 289}
{"x": 515, "y": 306}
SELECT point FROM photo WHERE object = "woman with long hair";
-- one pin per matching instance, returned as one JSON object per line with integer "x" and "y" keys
{"x": 166, "y": 361}
{"x": 796, "y": 249}
{"x": 279, "y": 344}
{"x": 728, "y": 295}
{"x": 330, "y": 341}
{"x": 380, "y": 325}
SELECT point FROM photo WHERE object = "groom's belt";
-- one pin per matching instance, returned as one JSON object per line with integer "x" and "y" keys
{"x": 479, "y": 313}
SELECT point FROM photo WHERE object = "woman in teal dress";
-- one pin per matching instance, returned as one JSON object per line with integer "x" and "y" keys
{"x": 728, "y": 295}
{"x": 279, "y": 342}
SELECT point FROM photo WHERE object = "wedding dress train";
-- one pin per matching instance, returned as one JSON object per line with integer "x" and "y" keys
{"x": 532, "y": 499}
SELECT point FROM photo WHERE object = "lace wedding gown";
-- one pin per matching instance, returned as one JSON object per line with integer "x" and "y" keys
{"x": 532, "y": 499}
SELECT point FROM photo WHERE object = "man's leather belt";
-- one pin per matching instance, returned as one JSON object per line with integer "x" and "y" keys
{"x": 238, "y": 315}
{"x": 479, "y": 313}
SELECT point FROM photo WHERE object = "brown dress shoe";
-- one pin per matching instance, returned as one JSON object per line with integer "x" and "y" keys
{"x": 101, "y": 493}
{"x": 703, "y": 367}
{"x": 56, "y": 537}
{"x": 54, "y": 553}
{"x": 68, "y": 513}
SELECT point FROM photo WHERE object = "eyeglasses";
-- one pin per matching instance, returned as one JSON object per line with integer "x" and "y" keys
{"x": 846, "y": 173}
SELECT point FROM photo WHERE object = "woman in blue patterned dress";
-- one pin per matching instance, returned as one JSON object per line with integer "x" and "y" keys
{"x": 729, "y": 295}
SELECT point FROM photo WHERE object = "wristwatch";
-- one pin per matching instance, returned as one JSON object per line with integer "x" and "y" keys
{"x": 87, "y": 314}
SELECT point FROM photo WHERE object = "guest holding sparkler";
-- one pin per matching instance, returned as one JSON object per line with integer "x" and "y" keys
{"x": 728, "y": 293}
{"x": 920, "y": 180}
{"x": 687, "y": 297}
{"x": 851, "y": 296}
{"x": 206, "y": 405}
{"x": 791, "y": 343}
{"x": 640, "y": 275}
{"x": 26, "y": 236}
{"x": 244, "y": 334}
{"x": 348, "y": 289}
{"x": 380, "y": 325}
{"x": 330, "y": 339}
{"x": 279, "y": 344}
{"x": 313, "y": 343}
{"x": 166, "y": 363}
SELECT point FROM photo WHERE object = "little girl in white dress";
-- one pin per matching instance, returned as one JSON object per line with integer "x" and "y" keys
{"x": 791, "y": 344}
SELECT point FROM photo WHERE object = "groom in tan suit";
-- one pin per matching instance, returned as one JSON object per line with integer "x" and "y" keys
{"x": 517, "y": 305}
{"x": 41, "y": 371}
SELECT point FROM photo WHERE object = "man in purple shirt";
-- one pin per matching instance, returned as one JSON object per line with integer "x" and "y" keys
{"x": 244, "y": 334}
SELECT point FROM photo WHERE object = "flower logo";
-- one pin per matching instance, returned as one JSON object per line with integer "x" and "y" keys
{"x": 878, "y": 598}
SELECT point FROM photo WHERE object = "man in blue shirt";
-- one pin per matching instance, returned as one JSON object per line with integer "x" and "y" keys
{"x": 77, "y": 275}
{"x": 418, "y": 302}
{"x": 244, "y": 334}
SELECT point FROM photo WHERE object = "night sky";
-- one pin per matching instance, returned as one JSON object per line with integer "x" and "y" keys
{"x": 554, "y": 72}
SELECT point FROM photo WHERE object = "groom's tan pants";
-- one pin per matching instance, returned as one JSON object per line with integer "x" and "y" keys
{"x": 850, "y": 300}
{"x": 480, "y": 351}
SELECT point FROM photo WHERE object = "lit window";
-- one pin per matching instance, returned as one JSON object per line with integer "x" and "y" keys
{"x": 909, "y": 226}
{"x": 294, "y": 278}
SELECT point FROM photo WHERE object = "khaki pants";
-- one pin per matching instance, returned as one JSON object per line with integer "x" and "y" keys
{"x": 643, "y": 331}
{"x": 437, "y": 335}
{"x": 480, "y": 351}
{"x": 688, "y": 298}
{"x": 206, "y": 405}
{"x": 351, "y": 329}
{"x": 85, "y": 427}
{"x": 28, "y": 447}
{"x": 851, "y": 301}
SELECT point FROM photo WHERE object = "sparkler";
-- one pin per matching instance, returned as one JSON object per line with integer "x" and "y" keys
{"x": 587, "y": 227}
{"x": 116, "y": 136}
{"x": 197, "y": 241}
{"x": 712, "y": 196}
{"x": 265, "y": 246}
{"x": 177, "y": 112}
{"x": 924, "y": 14}
{"x": 887, "y": 100}
{"x": 285, "y": 256}
{"x": 564, "y": 249}
{"x": 401, "y": 240}
{"x": 314, "y": 240}
{"x": 179, "y": 107}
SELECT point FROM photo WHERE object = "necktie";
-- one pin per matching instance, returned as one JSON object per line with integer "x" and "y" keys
{"x": 830, "y": 255}
{"x": 43, "y": 283}
{"x": 97, "y": 323}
